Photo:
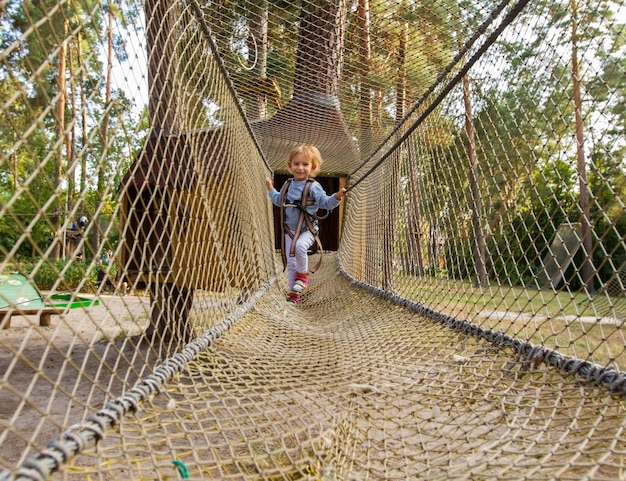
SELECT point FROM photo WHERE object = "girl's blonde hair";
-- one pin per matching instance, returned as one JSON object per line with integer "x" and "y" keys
{"x": 311, "y": 153}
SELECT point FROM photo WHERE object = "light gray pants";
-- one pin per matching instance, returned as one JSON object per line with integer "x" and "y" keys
{"x": 300, "y": 262}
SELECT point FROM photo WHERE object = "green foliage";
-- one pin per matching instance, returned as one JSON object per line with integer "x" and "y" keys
{"x": 24, "y": 231}
{"x": 61, "y": 275}
{"x": 37, "y": 171}
{"x": 529, "y": 178}
{"x": 523, "y": 118}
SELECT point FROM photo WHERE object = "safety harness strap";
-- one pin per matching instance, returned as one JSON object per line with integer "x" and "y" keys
{"x": 304, "y": 216}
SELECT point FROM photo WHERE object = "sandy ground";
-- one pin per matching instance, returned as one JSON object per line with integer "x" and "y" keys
{"x": 55, "y": 376}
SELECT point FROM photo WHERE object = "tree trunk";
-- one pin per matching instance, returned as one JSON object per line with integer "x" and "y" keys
{"x": 413, "y": 263}
{"x": 365, "y": 98}
{"x": 161, "y": 20}
{"x": 585, "y": 220}
{"x": 85, "y": 136}
{"x": 480, "y": 248}
{"x": 320, "y": 44}
{"x": 401, "y": 72}
{"x": 71, "y": 147}
{"x": 170, "y": 304}
{"x": 257, "y": 55}
{"x": 60, "y": 131}
{"x": 14, "y": 156}
{"x": 102, "y": 168}
{"x": 169, "y": 314}
{"x": 395, "y": 162}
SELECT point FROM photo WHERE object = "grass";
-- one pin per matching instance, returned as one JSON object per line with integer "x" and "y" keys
{"x": 575, "y": 325}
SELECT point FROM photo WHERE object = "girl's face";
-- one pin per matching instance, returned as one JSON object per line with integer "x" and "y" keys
{"x": 300, "y": 167}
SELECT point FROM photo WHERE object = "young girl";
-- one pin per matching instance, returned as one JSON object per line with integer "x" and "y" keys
{"x": 304, "y": 164}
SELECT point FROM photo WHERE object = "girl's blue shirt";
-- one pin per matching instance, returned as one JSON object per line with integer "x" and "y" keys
{"x": 294, "y": 194}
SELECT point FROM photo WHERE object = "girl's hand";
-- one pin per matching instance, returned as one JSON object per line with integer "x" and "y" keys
{"x": 268, "y": 183}
{"x": 340, "y": 194}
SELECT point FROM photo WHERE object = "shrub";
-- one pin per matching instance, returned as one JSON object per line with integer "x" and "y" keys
{"x": 47, "y": 276}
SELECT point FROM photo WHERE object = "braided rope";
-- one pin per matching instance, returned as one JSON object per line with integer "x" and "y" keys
{"x": 206, "y": 33}
{"x": 79, "y": 437}
{"x": 515, "y": 11}
{"x": 355, "y": 382}
{"x": 612, "y": 379}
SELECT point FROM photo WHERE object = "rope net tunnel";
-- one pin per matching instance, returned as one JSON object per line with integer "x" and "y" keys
{"x": 467, "y": 321}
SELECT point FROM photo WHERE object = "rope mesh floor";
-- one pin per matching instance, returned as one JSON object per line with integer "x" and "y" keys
{"x": 470, "y": 322}
{"x": 350, "y": 386}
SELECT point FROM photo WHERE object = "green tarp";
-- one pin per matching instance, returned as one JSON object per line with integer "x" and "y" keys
{"x": 17, "y": 292}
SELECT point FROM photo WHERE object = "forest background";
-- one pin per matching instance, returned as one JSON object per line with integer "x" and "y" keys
{"x": 76, "y": 128}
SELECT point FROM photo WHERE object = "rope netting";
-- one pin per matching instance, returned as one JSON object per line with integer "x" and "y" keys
{"x": 468, "y": 318}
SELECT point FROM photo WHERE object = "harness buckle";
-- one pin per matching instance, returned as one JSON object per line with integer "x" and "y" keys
{"x": 296, "y": 204}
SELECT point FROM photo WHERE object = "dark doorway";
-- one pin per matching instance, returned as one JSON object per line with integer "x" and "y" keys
{"x": 329, "y": 227}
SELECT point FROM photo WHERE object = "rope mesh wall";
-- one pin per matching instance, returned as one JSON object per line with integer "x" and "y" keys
{"x": 470, "y": 324}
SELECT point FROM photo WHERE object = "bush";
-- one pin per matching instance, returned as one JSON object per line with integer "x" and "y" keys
{"x": 48, "y": 276}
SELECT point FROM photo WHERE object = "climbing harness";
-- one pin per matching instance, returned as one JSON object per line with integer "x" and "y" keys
{"x": 311, "y": 221}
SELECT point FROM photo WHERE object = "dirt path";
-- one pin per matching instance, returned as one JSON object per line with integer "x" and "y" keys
{"x": 57, "y": 375}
